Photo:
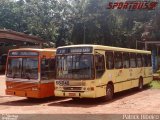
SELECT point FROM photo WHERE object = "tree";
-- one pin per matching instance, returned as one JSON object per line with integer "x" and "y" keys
{"x": 79, "y": 21}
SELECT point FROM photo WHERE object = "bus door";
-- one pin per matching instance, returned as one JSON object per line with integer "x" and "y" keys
{"x": 47, "y": 76}
{"x": 100, "y": 70}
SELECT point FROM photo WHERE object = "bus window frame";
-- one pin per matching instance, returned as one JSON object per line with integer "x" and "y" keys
{"x": 38, "y": 57}
{"x": 95, "y": 69}
{"x": 139, "y": 55}
{"x": 132, "y": 53}
{"x": 93, "y": 76}
{"x": 115, "y": 52}
{"x": 149, "y": 61}
{"x": 106, "y": 59}
{"x": 127, "y": 59}
{"x": 48, "y": 60}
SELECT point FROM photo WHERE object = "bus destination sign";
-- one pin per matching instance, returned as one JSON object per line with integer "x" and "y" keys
{"x": 74, "y": 50}
{"x": 23, "y": 53}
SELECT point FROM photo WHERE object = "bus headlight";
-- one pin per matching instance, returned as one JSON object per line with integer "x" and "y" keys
{"x": 84, "y": 88}
{"x": 90, "y": 88}
{"x": 58, "y": 88}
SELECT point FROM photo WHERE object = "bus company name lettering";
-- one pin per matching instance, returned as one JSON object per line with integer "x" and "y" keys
{"x": 9, "y": 117}
{"x": 132, "y": 5}
{"x": 141, "y": 117}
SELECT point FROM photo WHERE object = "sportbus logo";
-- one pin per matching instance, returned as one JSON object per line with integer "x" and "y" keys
{"x": 133, "y": 5}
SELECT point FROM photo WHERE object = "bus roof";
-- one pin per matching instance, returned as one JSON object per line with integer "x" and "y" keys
{"x": 34, "y": 49}
{"x": 102, "y": 47}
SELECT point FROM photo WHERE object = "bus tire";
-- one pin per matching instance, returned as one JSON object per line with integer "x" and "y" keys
{"x": 75, "y": 99}
{"x": 109, "y": 92}
{"x": 31, "y": 99}
{"x": 140, "y": 85}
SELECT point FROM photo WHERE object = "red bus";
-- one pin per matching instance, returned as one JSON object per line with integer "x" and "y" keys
{"x": 30, "y": 72}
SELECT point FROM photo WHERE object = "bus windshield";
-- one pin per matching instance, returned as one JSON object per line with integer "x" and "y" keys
{"x": 78, "y": 66}
{"x": 25, "y": 68}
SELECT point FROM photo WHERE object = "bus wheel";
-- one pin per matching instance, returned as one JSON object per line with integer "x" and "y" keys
{"x": 75, "y": 99}
{"x": 109, "y": 92}
{"x": 31, "y": 99}
{"x": 140, "y": 86}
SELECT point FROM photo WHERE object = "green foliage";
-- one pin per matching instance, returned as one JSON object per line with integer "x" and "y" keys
{"x": 155, "y": 84}
{"x": 79, "y": 21}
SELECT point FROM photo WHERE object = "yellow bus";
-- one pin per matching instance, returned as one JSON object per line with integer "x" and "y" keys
{"x": 92, "y": 71}
{"x": 30, "y": 72}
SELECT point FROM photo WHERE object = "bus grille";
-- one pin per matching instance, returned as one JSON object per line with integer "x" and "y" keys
{"x": 72, "y": 88}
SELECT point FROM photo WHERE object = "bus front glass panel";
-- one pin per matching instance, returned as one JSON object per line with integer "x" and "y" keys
{"x": 25, "y": 68}
{"x": 75, "y": 66}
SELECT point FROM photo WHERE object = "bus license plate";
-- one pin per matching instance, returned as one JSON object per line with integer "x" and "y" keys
{"x": 72, "y": 94}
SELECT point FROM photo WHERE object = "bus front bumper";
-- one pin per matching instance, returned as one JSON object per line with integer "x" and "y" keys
{"x": 22, "y": 93}
{"x": 86, "y": 94}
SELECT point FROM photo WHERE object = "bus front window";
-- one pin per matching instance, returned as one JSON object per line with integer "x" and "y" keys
{"x": 30, "y": 68}
{"x": 14, "y": 66}
{"x": 75, "y": 66}
{"x": 26, "y": 68}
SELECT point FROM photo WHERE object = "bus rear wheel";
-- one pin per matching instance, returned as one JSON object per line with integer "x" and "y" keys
{"x": 140, "y": 86}
{"x": 31, "y": 99}
{"x": 109, "y": 92}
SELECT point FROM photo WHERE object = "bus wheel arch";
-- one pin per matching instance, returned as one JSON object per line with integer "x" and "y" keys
{"x": 109, "y": 90}
{"x": 140, "y": 84}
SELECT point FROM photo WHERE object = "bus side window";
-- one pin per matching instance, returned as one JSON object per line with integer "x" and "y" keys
{"x": 47, "y": 69}
{"x": 149, "y": 63}
{"x": 118, "y": 60}
{"x": 100, "y": 65}
{"x": 52, "y": 67}
{"x": 109, "y": 60}
{"x": 132, "y": 60}
{"x": 145, "y": 60}
{"x": 126, "y": 62}
{"x": 139, "y": 60}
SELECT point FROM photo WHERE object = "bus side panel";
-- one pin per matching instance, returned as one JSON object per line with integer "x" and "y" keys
{"x": 32, "y": 90}
{"x": 100, "y": 91}
{"x": 148, "y": 75}
{"x": 47, "y": 89}
{"x": 124, "y": 79}
{"x": 136, "y": 74}
{"x": 144, "y": 72}
{"x": 44, "y": 90}
{"x": 21, "y": 89}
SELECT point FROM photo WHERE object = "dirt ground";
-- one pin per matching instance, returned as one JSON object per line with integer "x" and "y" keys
{"x": 128, "y": 102}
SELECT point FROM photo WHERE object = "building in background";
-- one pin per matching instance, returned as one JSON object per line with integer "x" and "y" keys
{"x": 153, "y": 46}
{"x": 10, "y": 40}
